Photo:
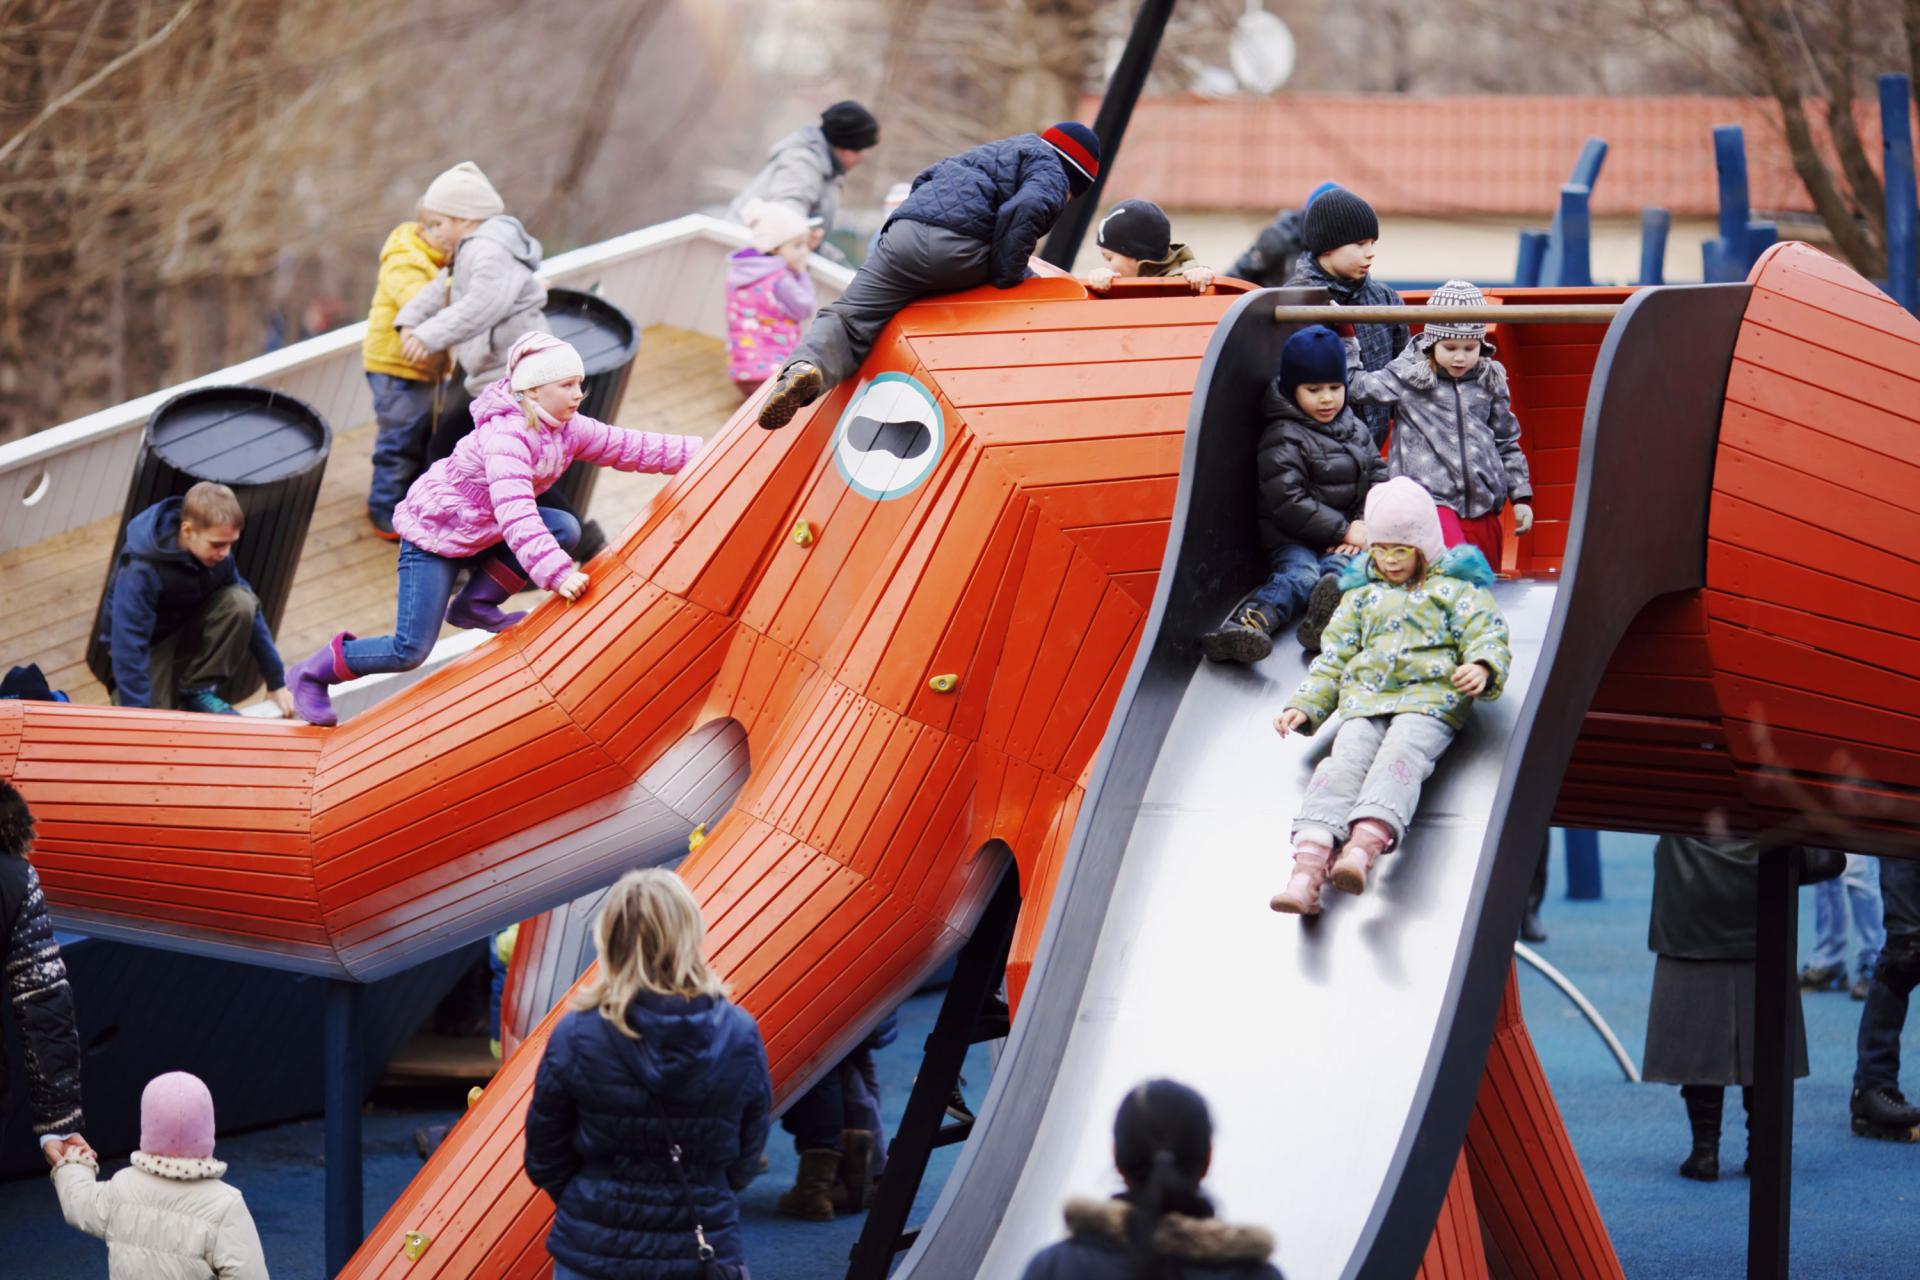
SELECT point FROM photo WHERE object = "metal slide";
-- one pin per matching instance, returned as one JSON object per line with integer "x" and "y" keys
{"x": 1340, "y": 1055}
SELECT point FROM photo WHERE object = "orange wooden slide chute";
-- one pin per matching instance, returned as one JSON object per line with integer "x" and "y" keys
{"x": 1020, "y": 561}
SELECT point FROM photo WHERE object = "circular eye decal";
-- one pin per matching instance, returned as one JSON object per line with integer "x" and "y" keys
{"x": 889, "y": 438}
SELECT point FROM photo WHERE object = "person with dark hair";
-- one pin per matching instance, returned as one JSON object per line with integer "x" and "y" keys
{"x": 971, "y": 219}
{"x": 1162, "y": 1227}
{"x": 1270, "y": 259}
{"x": 805, "y": 169}
{"x": 37, "y": 989}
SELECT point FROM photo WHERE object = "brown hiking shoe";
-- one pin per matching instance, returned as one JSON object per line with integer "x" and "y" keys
{"x": 800, "y": 385}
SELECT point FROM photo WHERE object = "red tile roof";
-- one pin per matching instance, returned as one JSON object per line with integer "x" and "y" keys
{"x": 1455, "y": 155}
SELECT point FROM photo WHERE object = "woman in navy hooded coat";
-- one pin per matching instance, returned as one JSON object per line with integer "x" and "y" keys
{"x": 653, "y": 1060}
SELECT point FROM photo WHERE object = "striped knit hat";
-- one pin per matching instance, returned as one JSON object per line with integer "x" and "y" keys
{"x": 1080, "y": 148}
{"x": 1455, "y": 293}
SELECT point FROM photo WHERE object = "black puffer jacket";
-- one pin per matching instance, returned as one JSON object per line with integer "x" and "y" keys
{"x": 1314, "y": 477}
{"x": 41, "y": 1001}
{"x": 1007, "y": 193}
{"x": 1379, "y": 343}
{"x": 1270, "y": 260}
{"x": 607, "y": 1110}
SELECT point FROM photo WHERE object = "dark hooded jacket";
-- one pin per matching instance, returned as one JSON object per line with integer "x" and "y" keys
{"x": 41, "y": 1003}
{"x": 1184, "y": 1247}
{"x": 1313, "y": 476}
{"x": 1270, "y": 260}
{"x": 607, "y": 1110}
{"x": 157, "y": 587}
{"x": 1379, "y": 343}
{"x": 1007, "y": 193}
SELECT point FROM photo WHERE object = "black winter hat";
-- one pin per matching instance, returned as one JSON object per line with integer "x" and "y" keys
{"x": 1315, "y": 354}
{"x": 1136, "y": 229}
{"x": 1338, "y": 217}
{"x": 850, "y": 126}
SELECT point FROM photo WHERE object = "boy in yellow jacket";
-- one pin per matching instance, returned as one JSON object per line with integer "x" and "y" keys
{"x": 402, "y": 389}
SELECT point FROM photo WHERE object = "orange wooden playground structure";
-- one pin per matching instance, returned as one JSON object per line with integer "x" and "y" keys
{"x": 921, "y": 624}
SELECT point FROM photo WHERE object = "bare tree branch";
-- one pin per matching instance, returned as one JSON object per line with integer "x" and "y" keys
{"x": 80, "y": 90}
{"x": 1869, "y": 196}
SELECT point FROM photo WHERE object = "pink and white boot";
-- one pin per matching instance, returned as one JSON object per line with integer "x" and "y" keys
{"x": 1369, "y": 839}
{"x": 1301, "y": 897}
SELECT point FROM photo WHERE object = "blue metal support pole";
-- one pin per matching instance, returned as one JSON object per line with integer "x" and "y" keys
{"x": 1533, "y": 253}
{"x": 1583, "y": 864}
{"x": 1586, "y": 172}
{"x": 1903, "y": 219}
{"x": 1576, "y": 239}
{"x": 1762, "y": 235}
{"x": 345, "y": 1222}
{"x": 1724, "y": 259}
{"x": 1654, "y": 225}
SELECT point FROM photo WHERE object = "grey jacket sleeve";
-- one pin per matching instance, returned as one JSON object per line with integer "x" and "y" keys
{"x": 1506, "y": 438}
{"x": 492, "y": 281}
{"x": 424, "y": 304}
{"x": 794, "y": 178}
{"x": 1364, "y": 386}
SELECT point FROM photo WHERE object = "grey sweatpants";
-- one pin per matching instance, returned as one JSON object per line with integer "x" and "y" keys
{"x": 912, "y": 260}
{"x": 1374, "y": 771}
{"x": 206, "y": 652}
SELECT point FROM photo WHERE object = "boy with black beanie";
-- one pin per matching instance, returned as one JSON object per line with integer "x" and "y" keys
{"x": 1136, "y": 240}
{"x": 1340, "y": 231}
{"x": 971, "y": 219}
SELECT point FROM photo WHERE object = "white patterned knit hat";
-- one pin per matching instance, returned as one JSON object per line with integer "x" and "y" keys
{"x": 537, "y": 358}
{"x": 1455, "y": 293}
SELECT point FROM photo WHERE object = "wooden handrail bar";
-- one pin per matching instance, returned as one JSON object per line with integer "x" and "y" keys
{"x": 1519, "y": 313}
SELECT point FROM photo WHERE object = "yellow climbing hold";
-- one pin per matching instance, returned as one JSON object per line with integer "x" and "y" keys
{"x": 473, "y": 1096}
{"x": 803, "y": 533}
{"x": 416, "y": 1244}
{"x": 696, "y": 837}
{"x": 943, "y": 684}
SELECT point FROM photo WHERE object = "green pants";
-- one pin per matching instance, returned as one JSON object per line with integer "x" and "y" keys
{"x": 208, "y": 650}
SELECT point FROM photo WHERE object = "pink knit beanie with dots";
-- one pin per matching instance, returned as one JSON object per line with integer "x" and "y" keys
{"x": 176, "y": 1117}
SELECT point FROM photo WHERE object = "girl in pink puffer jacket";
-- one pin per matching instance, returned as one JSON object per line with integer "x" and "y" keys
{"x": 769, "y": 293}
{"x": 475, "y": 510}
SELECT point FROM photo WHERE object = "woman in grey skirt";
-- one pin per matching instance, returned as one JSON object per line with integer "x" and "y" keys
{"x": 1700, "y": 1021}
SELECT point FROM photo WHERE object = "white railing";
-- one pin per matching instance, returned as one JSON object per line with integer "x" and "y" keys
{"x": 73, "y": 474}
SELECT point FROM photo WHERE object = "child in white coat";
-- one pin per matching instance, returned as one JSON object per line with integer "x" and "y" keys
{"x": 169, "y": 1216}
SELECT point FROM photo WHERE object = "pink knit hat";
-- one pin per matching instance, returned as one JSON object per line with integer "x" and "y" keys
{"x": 1401, "y": 513}
{"x": 537, "y": 358}
{"x": 176, "y": 1117}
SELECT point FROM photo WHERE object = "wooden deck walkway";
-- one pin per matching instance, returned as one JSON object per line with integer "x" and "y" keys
{"x": 50, "y": 590}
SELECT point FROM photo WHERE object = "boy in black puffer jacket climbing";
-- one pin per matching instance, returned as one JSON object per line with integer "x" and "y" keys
{"x": 972, "y": 219}
{"x": 1316, "y": 462}
{"x": 1340, "y": 230}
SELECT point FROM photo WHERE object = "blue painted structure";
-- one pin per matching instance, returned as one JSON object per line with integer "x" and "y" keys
{"x": 345, "y": 1218}
{"x": 1903, "y": 220}
{"x": 1533, "y": 256}
{"x": 1654, "y": 226}
{"x": 1743, "y": 238}
{"x": 1567, "y": 261}
{"x": 1583, "y": 864}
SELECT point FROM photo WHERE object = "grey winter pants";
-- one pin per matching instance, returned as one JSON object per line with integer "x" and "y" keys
{"x": 912, "y": 260}
{"x": 206, "y": 651}
{"x": 1374, "y": 771}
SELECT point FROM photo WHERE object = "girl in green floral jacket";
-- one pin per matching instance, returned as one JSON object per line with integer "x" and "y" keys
{"x": 1416, "y": 638}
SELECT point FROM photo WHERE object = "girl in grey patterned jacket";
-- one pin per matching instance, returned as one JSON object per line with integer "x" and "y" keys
{"x": 1454, "y": 429}
{"x": 38, "y": 996}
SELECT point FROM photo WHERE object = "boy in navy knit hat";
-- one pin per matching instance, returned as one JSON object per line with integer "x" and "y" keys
{"x": 1136, "y": 241}
{"x": 971, "y": 219}
{"x": 1340, "y": 231}
{"x": 1316, "y": 462}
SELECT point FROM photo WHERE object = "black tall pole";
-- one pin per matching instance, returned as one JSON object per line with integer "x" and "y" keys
{"x": 1770, "y": 1193}
{"x": 1116, "y": 109}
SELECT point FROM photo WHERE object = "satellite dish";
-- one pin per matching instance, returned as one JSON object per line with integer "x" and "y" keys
{"x": 1261, "y": 50}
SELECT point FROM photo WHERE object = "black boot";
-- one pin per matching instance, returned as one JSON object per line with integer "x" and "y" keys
{"x": 1320, "y": 606}
{"x": 1881, "y": 1111}
{"x": 800, "y": 385}
{"x": 1246, "y": 635}
{"x": 1531, "y": 930}
{"x": 1704, "y": 1104}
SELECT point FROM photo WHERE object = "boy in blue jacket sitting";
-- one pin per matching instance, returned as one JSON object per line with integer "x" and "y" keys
{"x": 180, "y": 618}
{"x": 971, "y": 219}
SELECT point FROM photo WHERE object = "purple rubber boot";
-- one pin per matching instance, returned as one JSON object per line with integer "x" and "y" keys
{"x": 309, "y": 678}
{"x": 478, "y": 604}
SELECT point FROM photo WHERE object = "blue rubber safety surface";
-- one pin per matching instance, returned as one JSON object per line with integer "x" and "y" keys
{"x": 1854, "y": 1199}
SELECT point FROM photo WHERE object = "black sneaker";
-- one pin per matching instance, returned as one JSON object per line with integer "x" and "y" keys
{"x": 957, "y": 1108}
{"x": 1320, "y": 606}
{"x": 1822, "y": 978}
{"x": 1884, "y": 1112}
{"x": 1246, "y": 636}
{"x": 204, "y": 701}
{"x": 800, "y": 385}
{"x": 1859, "y": 988}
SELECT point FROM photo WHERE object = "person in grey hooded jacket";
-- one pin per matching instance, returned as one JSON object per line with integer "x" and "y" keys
{"x": 807, "y": 168}
{"x": 1454, "y": 429}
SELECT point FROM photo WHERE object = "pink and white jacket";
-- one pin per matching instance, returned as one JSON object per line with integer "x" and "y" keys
{"x": 767, "y": 302}
{"x": 484, "y": 490}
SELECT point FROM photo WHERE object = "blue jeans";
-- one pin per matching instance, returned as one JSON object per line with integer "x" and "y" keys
{"x": 1295, "y": 570}
{"x": 1885, "y": 1014}
{"x": 426, "y": 586}
{"x": 400, "y": 409}
{"x": 1855, "y": 891}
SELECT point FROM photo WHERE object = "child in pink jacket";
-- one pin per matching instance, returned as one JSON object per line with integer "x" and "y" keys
{"x": 769, "y": 293}
{"x": 475, "y": 510}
